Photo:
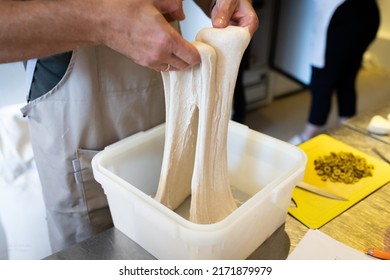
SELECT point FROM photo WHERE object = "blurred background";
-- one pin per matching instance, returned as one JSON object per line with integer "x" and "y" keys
{"x": 275, "y": 88}
{"x": 279, "y": 73}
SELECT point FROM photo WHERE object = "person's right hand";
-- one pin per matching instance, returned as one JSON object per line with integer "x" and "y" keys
{"x": 139, "y": 30}
{"x": 236, "y": 12}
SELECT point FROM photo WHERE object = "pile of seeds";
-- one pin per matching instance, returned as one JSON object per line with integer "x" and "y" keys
{"x": 344, "y": 167}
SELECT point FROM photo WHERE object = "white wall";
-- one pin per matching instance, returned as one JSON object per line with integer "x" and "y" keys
{"x": 293, "y": 39}
{"x": 384, "y": 30}
{"x": 12, "y": 83}
{"x": 292, "y": 45}
{"x": 379, "y": 51}
{"x": 195, "y": 20}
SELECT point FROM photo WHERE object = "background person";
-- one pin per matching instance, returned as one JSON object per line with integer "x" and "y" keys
{"x": 337, "y": 58}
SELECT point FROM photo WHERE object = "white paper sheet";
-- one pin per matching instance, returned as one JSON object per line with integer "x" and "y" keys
{"x": 316, "y": 245}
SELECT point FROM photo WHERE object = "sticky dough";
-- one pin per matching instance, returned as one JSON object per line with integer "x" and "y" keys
{"x": 198, "y": 107}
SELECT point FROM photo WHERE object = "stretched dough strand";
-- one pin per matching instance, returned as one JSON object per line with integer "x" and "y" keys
{"x": 198, "y": 105}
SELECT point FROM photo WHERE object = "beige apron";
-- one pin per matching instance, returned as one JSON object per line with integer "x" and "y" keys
{"x": 102, "y": 98}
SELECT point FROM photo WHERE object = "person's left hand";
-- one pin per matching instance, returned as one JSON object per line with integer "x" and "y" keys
{"x": 235, "y": 12}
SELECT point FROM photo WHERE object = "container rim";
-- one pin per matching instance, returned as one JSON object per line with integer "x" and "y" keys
{"x": 103, "y": 175}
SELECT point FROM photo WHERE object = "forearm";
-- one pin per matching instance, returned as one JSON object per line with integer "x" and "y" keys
{"x": 31, "y": 29}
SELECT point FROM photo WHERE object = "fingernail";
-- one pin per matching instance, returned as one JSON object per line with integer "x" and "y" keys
{"x": 220, "y": 22}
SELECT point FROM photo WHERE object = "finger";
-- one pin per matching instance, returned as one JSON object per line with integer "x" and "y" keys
{"x": 179, "y": 53}
{"x": 165, "y": 68}
{"x": 174, "y": 63}
{"x": 172, "y": 7}
{"x": 246, "y": 16}
{"x": 236, "y": 12}
{"x": 251, "y": 21}
{"x": 179, "y": 13}
{"x": 171, "y": 48}
{"x": 222, "y": 12}
{"x": 177, "y": 63}
{"x": 184, "y": 54}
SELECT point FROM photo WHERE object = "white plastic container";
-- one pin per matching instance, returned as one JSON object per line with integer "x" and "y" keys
{"x": 265, "y": 168}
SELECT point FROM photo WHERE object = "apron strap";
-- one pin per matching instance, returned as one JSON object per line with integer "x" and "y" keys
{"x": 30, "y": 68}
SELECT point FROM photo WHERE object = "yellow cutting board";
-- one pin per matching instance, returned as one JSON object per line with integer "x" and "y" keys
{"x": 314, "y": 210}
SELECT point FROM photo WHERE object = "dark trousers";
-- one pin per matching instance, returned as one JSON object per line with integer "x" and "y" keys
{"x": 239, "y": 99}
{"x": 351, "y": 30}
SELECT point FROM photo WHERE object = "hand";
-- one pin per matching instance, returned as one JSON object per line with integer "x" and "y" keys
{"x": 235, "y": 12}
{"x": 139, "y": 30}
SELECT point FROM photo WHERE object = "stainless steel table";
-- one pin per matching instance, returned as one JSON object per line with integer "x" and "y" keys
{"x": 108, "y": 245}
{"x": 366, "y": 224}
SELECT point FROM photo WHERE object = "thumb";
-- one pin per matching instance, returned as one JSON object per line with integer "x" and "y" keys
{"x": 222, "y": 12}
